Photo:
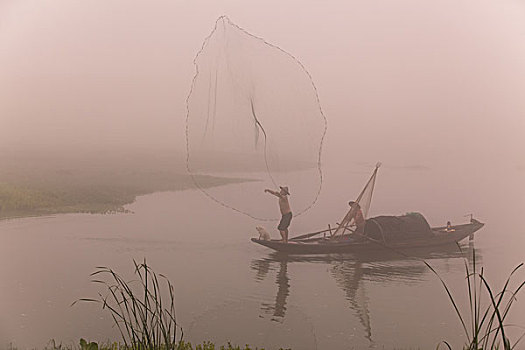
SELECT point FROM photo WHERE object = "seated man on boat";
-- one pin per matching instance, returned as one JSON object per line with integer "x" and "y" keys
{"x": 358, "y": 217}
{"x": 286, "y": 212}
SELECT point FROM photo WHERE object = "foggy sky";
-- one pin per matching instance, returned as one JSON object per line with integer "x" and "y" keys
{"x": 404, "y": 80}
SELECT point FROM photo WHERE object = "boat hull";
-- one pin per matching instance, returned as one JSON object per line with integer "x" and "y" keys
{"x": 347, "y": 245}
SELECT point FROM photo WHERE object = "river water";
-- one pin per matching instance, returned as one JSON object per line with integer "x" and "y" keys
{"x": 229, "y": 289}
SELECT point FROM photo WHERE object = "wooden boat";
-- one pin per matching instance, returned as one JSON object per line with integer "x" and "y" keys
{"x": 394, "y": 233}
{"x": 350, "y": 243}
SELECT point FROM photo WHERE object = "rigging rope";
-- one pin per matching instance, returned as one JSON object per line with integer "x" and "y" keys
{"x": 257, "y": 122}
{"x": 259, "y": 125}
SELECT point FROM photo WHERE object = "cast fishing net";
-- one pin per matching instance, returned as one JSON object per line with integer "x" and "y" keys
{"x": 253, "y": 113}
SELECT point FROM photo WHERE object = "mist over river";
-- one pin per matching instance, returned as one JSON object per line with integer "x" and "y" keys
{"x": 229, "y": 289}
{"x": 104, "y": 101}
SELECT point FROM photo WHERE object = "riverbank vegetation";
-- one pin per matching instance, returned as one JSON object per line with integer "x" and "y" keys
{"x": 84, "y": 345}
{"x": 33, "y": 185}
{"x": 143, "y": 311}
{"x": 485, "y": 323}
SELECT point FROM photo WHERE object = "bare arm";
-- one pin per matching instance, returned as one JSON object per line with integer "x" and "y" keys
{"x": 275, "y": 193}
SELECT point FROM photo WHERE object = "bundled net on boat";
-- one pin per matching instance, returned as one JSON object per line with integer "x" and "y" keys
{"x": 397, "y": 228}
{"x": 253, "y": 113}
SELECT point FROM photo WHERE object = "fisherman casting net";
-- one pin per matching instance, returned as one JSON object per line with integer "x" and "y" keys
{"x": 253, "y": 113}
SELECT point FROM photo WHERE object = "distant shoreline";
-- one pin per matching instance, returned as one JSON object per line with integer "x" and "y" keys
{"x": 74, "y": 201}
{"x": 35, "y": 186}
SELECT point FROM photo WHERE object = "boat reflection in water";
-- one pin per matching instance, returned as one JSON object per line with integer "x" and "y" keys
{"x": 350, "y": 271}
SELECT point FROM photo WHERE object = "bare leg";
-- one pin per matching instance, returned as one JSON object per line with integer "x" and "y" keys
{"x": 284, "y": 236}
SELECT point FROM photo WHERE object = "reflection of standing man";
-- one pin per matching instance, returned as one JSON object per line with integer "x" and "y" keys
{"x": 283, "y": 284}
{"x": 286, "y": 212}
{"x": 262, "y": 267}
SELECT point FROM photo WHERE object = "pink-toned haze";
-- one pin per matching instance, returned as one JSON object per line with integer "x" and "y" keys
{"x": 405, "y": 80}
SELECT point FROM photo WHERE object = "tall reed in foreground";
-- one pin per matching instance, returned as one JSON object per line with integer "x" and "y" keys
{"x": 144, "y": 320}
{"x": 487, "y": 323}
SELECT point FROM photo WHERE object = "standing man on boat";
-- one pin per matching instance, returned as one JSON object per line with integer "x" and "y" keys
{"x": 286, "y": 212}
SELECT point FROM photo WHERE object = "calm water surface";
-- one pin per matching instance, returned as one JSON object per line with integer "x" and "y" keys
{"x": 228, "y": 289}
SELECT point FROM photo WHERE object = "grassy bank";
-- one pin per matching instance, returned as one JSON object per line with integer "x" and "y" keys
{"x": 35, "y": 185}
{"x": 84, "y": 345}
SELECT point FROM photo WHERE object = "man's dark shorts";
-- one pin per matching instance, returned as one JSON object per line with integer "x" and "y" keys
{"x": 285, "y": 222}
